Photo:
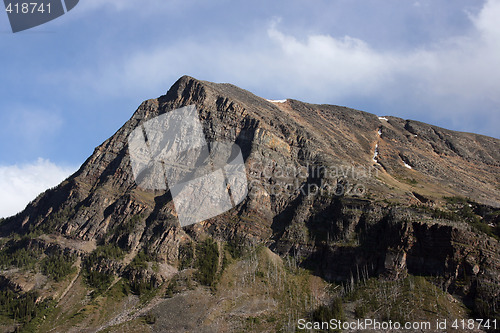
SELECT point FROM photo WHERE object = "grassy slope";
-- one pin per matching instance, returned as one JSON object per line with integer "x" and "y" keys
{"x": 258, "y": 292}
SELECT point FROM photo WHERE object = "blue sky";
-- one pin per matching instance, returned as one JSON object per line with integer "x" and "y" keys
{"x": 68, "y": 85}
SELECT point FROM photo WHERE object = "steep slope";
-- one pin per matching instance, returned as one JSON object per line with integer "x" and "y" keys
{"x": 337, "y": 189}
{"x": 292, "y": 134}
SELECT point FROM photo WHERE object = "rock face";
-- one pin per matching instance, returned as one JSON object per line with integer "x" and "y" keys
{"x": 317, "y": 191}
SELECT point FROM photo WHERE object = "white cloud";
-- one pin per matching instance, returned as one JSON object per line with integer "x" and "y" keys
{"x": 344, "y": 64}
{"x": 442, "y": 82}
{"x": 20, "y": 184}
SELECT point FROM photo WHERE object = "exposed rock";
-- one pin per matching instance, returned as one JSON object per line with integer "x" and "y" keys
{"x": 314, "y": 192}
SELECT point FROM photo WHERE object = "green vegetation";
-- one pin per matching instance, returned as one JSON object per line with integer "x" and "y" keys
{"x": 325, "y": 313}
{"x": 236, "y": 247}
{"x": 26, "y": 255}
{"x": 144, "y": 287}
{"x": 22, "y": 307}
{"x": 171, "y": 289}
{"x": 486, "y": 305}
{"x": 456, "y": 200}
{"x": 99, "y": 280}
{"x": 465, "y": 209}
{"x": 150, "y": 319}
{"x": 54, "y": 220}
{"x": 126, "y": 227}
{"x": 42, "y": 310}
{"x": 186, "y": 256}
{"x": 409, "y": 181}
{"x": 461, "y": 209}
{"x": 20, "y": 254}
{"x": 109, "y": 251}
{"x": 262, "y": 276}
{"x": 141, "y": 260}
{"x": 119, "y": 232}
{"x": 412, "y": 181}
{"x": 207, "y": 262}
{"x": 401, "y": 300}
{"x": 58, "y": 266}
{"x": 95, "y": 276}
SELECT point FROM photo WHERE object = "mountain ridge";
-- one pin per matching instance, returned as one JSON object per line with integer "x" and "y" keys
{"x": 336, "y": 189}
{"x": 192, "y": 90}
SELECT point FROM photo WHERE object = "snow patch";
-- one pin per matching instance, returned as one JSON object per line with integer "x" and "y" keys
{"x": 379, "y": 132}
{"x": 375, "y": 154}
{"x": 383, "y": 118}
{"x": 407, "y": 165}
{"x": 276, "y": 100}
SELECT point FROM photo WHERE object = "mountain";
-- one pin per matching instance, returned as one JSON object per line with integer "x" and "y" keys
{"x": 347, "y": 213}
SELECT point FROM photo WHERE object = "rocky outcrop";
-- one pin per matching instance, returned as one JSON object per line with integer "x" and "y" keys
{"x": 316, "y": 190}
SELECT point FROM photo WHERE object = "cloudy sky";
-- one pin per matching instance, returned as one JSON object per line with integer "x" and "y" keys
{"x": 68, "y": 85}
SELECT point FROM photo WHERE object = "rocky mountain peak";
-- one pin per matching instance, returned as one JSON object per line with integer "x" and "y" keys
{"x": 333, "y": 187}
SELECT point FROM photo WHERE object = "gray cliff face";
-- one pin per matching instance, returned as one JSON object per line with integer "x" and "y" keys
{"x": 368, "y": 225}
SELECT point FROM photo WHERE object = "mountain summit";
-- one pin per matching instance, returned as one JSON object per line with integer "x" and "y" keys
{"x": 349, "y": 197}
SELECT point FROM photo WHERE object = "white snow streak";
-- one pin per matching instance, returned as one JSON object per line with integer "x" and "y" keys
{"x": 375, "y": 154}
